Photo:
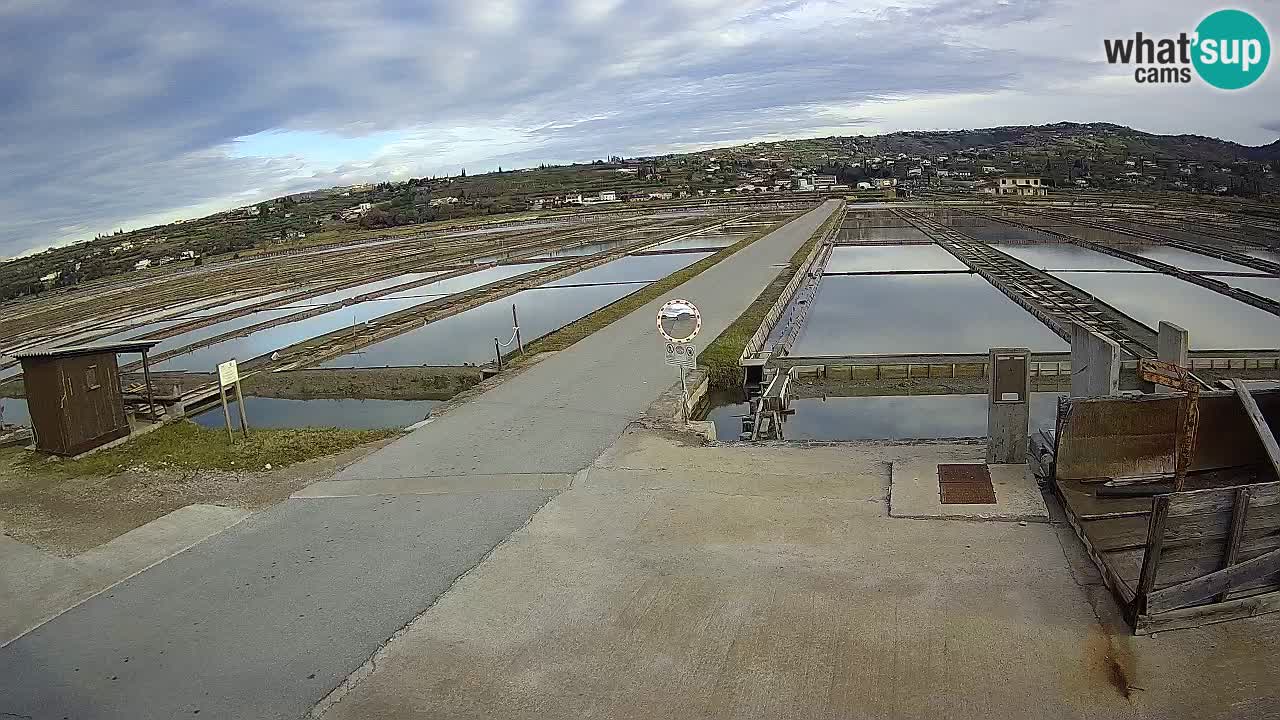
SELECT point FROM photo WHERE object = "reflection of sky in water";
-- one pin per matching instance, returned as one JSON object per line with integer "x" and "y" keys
{"x": 1268, "y": 287}
{"x": 1187, "y": 260}
{"x": 917, "y": 314}
{"x": 345, "y": 413}
{"x": 358, "y": 290}
{"x": 1065, "y": 256}
{"x": 273, "y": 338}
{"x": 468, "y": 336}
{"x": 1215, "y": 321}
{"x": 698, "y": 241}
{"x": 13, "y": 411}
{"x": 879, "y": 234}
{"x": 632, "y": 268}
{"x": 996, "y": 232}
{"x": 879, "y": 258}
{"x": 886, "y": 417}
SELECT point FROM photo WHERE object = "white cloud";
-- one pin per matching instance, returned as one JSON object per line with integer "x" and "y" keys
{"x": 132, "y": 119}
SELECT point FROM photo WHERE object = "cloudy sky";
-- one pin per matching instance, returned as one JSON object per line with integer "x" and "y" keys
{"x": 125, "y": 114}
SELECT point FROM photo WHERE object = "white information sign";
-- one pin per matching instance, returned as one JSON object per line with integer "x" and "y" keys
{"x": 228, "y": 373}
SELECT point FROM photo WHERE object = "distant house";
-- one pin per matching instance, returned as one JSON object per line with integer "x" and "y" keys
{"x": 661, "y": 195}
{"x": 915, "y": 172}
{"x": 1021, "y": 185}
{"x": 988, "y": 169}
{"x": 187, "y": 255}
{"x": 864, "y": 185}
{"x": 356, "y": 211}
{"x": 142, "y": 265}
{"x": 441, "y": 201}
{"x": 823, "y": 182}
{"x": 802, "y": 184}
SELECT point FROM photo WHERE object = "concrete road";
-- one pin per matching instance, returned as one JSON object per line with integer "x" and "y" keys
{"x": 770, "y": 582}
{"x": 266, "y": 619}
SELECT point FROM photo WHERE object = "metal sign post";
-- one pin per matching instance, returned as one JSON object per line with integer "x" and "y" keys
{"x": 679, "y": 322}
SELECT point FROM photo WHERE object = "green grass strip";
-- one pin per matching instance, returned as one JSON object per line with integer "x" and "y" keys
{"x": 720, "y": 357}
{"x": 188, "y": 446}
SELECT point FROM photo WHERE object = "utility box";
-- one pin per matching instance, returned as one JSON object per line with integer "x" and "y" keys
{"x": 1008, "y": 405}
{"x": 74, "y": 395}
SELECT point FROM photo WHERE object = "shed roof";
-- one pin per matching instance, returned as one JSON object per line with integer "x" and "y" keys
{"x": 127, "y": 346}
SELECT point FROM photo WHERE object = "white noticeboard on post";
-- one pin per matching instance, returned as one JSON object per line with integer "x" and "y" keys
{"x": 681, "y": 355}
{"x": 228, "y": 373}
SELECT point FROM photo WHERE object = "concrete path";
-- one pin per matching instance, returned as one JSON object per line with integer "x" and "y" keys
{"x": 36, "y": 585}
{"x": 266, "y": 619}
{"x": 674, "y": 581}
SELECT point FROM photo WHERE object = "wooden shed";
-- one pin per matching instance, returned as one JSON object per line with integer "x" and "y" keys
{"x": 74, "y": 395}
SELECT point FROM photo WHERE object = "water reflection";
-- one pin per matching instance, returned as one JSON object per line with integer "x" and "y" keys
{"x": 1268, "y": 287}
{"x": 344, "y": 413}
{"x": 885, "y": 417}
{"x": 1187, "y": 260}
{"x": 1065, "y": 256}
{"x": 13, "y": 411}
{"x": 698, "y": 241}
{"x": 468, "y": 336}
{"x": 353, "y": 316}
{"x": 1215, "y": 321}
{"x": 877, "y": 314}
{"x": 879, "y": 234}
{"x": 881, "y": 258}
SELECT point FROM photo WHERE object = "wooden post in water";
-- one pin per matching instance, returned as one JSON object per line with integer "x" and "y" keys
{"x": 497, "y": 350}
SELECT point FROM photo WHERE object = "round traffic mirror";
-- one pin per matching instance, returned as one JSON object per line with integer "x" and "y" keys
{"x": 679, "y": 321}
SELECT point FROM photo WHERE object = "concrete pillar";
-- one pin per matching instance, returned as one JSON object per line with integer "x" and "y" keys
{"x": 1172, "y": 346}
{"x": 1095, "y": 363}
{"x": 1008, "y": 405}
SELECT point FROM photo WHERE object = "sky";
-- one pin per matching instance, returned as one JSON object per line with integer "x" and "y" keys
{"x": 127, "y": 114}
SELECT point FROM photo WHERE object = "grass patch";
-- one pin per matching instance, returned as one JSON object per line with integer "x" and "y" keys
{"x": 620, "y": 308}
{"x": 188, "y": 446}
{"x": 720, "y": 357}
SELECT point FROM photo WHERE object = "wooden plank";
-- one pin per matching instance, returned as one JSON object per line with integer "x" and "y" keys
{"x": 1126, "y": 533}
{"x": 1119, "y": 588}
{"x": 1196, "y": 502}
{"x": 1231, "y": 552}
{"x": 1213, "y": 583}
{"x": 1155, "y": 543}
{"x": 1207, "y": 614}
{"x": 1259, "y": 422}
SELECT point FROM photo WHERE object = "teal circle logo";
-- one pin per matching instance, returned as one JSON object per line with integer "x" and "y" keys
{"x": 1232, "y": 49}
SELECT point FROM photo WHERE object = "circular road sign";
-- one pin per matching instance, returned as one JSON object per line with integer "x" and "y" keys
{"x": 679, "y": 321}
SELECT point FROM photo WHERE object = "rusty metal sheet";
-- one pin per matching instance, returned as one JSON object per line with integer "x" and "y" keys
{"x": 965, "y": 484}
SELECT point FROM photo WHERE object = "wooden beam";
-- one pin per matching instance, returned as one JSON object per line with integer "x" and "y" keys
{"x": 1260, "y": 425}
{"x": 1200, "y": 615}
{"x": 1183, "y": 594}
{"x": 1239, "y": 515}
{"x": 1155, "y": 545}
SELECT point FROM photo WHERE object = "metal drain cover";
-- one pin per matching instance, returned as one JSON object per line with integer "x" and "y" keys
{"x": 966, "y": 484}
